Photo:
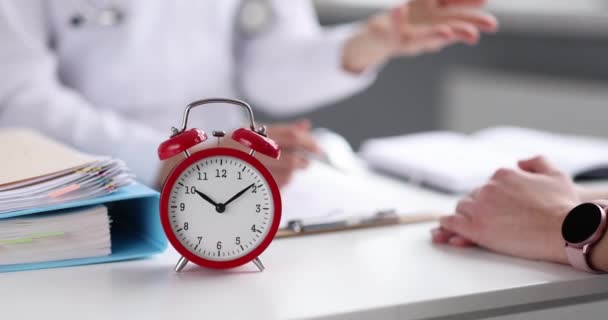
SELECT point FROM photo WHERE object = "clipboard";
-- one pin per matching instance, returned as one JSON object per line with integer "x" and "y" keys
{"x": 299, "y": 228}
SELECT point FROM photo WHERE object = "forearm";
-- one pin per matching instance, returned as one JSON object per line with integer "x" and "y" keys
{"x": 296, "y": 65}
{"x": 291, "y": 74}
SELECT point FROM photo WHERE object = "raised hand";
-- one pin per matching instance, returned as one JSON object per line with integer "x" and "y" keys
{"x": 416, "y": 27}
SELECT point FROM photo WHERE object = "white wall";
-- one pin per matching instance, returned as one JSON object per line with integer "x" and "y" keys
{"x": 475, "y": 99}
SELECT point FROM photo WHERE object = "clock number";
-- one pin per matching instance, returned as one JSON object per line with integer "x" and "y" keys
{"x": 238, "y": 240}
{"x": 258, "y": 208}
{"x": 253, "y": 229}
{"x": 223, "y": 174}
{"x": 219, "y": 245}
{"x": 240, "y": 178}
{"x": 254, "y": 189}
{"x": 200, "y": 239}
{"x": 185, "y": 225}
{"x": 190, "y": 190}
{"x": 202, "y": 176}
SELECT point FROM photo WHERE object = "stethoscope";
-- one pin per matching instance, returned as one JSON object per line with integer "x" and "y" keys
{"x": 89, "y": 13}
{"x": 254, "y": 15}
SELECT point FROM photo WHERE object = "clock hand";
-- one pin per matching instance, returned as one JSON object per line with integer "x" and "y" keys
{"x": 204, "y": 196}
{"x": 239, "y": 194}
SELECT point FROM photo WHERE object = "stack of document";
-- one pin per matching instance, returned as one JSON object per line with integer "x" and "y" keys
{"x": 60, "y": 207}
{"x": 75, "y": 233}
{"x": 458, "y": 163}
{"x": 94, "y": 179}
{"x": 37, "y": 171}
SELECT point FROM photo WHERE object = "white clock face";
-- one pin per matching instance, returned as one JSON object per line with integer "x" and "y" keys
{"x": 221, "y": 208}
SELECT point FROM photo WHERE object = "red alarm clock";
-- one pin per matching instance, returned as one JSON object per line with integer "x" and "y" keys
{"x": 220, "y": 207}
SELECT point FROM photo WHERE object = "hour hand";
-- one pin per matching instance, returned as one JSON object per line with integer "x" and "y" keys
{"x": 204, "y": 196}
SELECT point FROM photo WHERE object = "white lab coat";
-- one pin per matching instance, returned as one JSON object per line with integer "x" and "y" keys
{"x": 118, "y": 90}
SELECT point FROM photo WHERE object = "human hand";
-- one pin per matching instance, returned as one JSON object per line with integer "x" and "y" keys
{"x": 295, "y": 139}
{"x": 416, "y": 27}
{"x": 518, "y": 212}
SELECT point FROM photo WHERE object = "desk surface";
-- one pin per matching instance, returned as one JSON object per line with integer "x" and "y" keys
{"x": 388, "y": 273}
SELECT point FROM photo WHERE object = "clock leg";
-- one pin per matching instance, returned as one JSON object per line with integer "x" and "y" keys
{"x": 258, "y": 263}
{"x": 181, "y": 264}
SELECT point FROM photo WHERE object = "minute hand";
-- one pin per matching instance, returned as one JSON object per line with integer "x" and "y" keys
{"x": 239, "y": 194}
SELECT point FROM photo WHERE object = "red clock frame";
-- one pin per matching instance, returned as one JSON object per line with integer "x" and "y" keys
{"x": 164, "y": 207}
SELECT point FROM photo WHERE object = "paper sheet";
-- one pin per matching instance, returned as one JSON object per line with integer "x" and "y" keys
{"x": 458, "y": 163}
{"x": 321, "y": 193}
{"x": 72, "y": 234}
{"x": 99, "y": 178}
{"x": 28, "y": 155}
{"x": 37, "y": 171}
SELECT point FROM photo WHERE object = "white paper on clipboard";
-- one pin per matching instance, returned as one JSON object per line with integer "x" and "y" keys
{"x": 321, "y": 193}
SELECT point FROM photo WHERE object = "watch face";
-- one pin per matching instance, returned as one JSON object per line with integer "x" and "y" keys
{"x": 221, "y": 208}
{"x": 581, "y": 223}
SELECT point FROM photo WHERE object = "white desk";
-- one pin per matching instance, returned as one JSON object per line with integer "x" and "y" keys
{"x": 388, "y": 273}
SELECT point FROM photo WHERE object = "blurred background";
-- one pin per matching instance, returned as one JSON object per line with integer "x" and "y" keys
{"x": 545, "y": 69}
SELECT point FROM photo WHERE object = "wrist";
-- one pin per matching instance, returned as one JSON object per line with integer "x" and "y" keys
{"x": 587, "y": 193}
{"x": 559, "y": 248}
{"x": 363, "y": 51}
{"x": 598, "y": 258}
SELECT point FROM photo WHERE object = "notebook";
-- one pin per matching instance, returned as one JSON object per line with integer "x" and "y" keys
{"x": 458, "y": 163}
{"x": 68, "y": 234}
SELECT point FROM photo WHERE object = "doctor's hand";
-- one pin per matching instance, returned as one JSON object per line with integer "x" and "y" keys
{"x": 414, "y": 28}
{"x": 518, "y": 212}
{"x": 295, "y": 140}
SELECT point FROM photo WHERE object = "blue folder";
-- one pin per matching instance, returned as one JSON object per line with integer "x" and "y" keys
{"x": 136, "y": 231}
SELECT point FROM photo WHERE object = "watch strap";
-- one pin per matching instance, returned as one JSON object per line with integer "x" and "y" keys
{"x": 578, "y": 258}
